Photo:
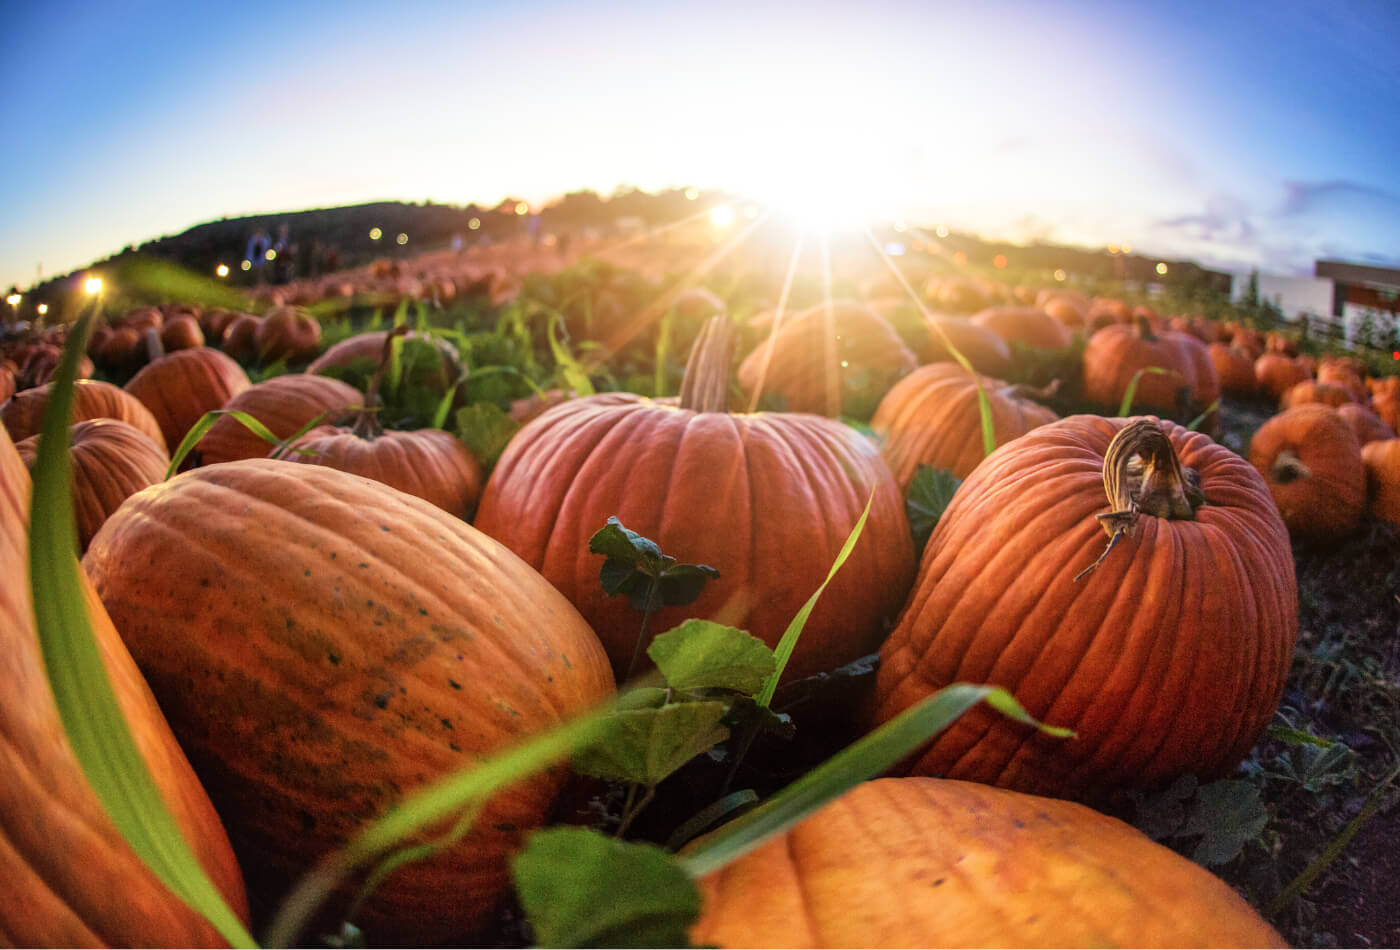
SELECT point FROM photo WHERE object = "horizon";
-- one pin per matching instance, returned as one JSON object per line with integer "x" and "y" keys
{"x": 1254, "y": 137}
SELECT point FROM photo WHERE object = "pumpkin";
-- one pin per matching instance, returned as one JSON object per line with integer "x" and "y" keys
{"x": 828, "y": 360}
{"x": 957, "y": 295}
{"x": 23, "y": 415}
{"x": 768, "y": 499}
{"x": 214, "y": 321}
{"x": 1277, "y": 374}
{"x": 1167, "y": 658}
{"x": 1025, "y": 325}
{"x": 180, "y": 387}
{"x": 1278, "y": 343}
{"x": 1235, "y": 368}
{"x": 70, "y": 877}
{"x": 1311, "y": 459}
{"x": 1386, "y": 402}
{"x": 122, "y": 350}
{"x": 1311, "y": 390}
{"x": 111, "y": 461}
{"x": 1111, "y": 309}
{"x": 1382, "y": 462}
{"x": 326, "y": 645}
{"x": 356, "y": 358}
{"x": 1065, "y": 310}
{"x": 240, "y": 337}
{"x": 7, "y": 383}
{"x": 1335, "y": 373}
{"x": 284, "y": 404}
{"x": 181, "y": 333}
{"x": 932, "y": 417}
{"x": 1365, "y": 423}
{"x": 287, "y": 333}
{"x": 987, "y": 352}
{"x": 924, "y": 862}
{"x": 1114, "y": 355}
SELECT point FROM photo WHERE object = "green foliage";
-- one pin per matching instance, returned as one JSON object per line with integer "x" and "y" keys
{"x": 930, "y": 493}
{"x": 636, "y": 567}
{"x": 486, "y": 431}
{"x": 646, "y": 745}
{"x": 701, "y": 654}
{"x": 582, "y": 889}
{"x": 1218, "y": 818}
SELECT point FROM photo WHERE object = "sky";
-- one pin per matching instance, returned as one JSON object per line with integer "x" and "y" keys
{"x": 1238, "y": 134}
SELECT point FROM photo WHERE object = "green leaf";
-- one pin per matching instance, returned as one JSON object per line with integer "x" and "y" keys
{"x": 711, "y": 815}
{"x": 646, "y": 745}
{"x": 580, "y": 888}
{"x": 486, "y": 430}
{"x": 929, "y": 495}
{"x": 1126, "y": 406}
{"x": 618, "y": 543}
{"x": 575, "y": 376}
{"x": 97, "y": 730}
{"x": 862, "y": 760}
{"x": 1226, "y": 814}
{"x": 682, "y": 584}
{"x": 701, "y": 654}
{"x": 794, "y": 629}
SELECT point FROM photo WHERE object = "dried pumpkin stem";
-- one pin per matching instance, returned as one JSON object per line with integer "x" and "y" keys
{"x": 1288, "y": 467}
{"x": 366, "y": 424}
{"x": 155, "y": 349}
{"x": 1142, "y": 475}
{"x": 705, "y": 386}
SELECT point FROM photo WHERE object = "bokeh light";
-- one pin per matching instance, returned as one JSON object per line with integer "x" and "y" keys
{"x": 722, "y": 216}
{"x": 93, "y": 285}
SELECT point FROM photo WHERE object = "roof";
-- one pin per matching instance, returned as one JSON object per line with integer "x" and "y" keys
{"x": 1345, "y": 273}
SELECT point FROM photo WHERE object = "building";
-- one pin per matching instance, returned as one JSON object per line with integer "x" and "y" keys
{"x": 1342, "y": 297}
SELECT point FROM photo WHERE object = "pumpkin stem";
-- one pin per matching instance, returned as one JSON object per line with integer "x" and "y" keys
{"x": 1144, "y": 328}
{"x": 366, "y": 424}
{"x": 1142, "y": 475}
{"x": 155, "y": 349}
{"x": 1027, "y": 391}
{"x": 1288, "y": 467}
{"x": 705, "y": 386}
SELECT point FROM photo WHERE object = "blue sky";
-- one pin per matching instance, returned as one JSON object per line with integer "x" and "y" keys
{"x": 1238, "y": 134}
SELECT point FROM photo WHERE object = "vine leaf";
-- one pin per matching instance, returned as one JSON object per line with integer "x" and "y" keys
{"x": 646, "y": 745}
{"x": 701, "y": 654}
{"x": 636, "y": 567}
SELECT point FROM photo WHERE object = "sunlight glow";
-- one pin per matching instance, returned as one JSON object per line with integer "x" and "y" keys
{"x": 692, "y": 193}
{"x": 722, "y": 216}
{"x": 93, "y": 285}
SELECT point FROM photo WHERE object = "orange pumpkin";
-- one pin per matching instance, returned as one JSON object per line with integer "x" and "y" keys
{"x": 1311, "y": 459}
{"x": 923, "y": 862}
{"x": 1277, "y": 374}
{"x": 315, "y": 673}
{"x": 1114, "y": 355}
{"x": 284, "y": 404}
{"x": 1168, "y": 658}
{"x": 287, "y": 333}
{"x": 766, "y": 498}
{"x": 1025, "y": 325}
{"x": 111, "y": 462}
{"x": 932, "y": 417}
{"x": 1235, "y": 367}
{"x": 836, "y": 360}
{"x": 1382, "y": 462}
{"x": 1365, "y": 423}
{"x": 23, "y": 415}
{"x": 180, "y": 387}
{"x": 1311, "y": 390}
{"x": 956, "y": 295}
{"x": 239, "y": 340}
{"x": 181, "y": 333}
{"x": 987, "y": 352}
{"x": 1386, "y": 402}
{"x": 70, "y": 877}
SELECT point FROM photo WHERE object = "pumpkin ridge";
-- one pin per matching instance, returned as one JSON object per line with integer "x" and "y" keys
{"x": 804, "y": 895}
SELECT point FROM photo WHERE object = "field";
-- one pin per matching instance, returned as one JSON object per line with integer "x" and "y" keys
{"x": 511, "y": 351}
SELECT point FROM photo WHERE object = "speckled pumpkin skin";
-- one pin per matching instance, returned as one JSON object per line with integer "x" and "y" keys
{"x": 1168, "y": 659}
{"x": 921, "y": 862}
{"x": 326, "y": 644}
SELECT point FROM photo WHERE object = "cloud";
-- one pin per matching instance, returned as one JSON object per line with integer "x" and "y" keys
{"x": 1303, "y": 198}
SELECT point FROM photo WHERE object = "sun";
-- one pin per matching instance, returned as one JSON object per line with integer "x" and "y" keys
{"x": 826, "y": 188}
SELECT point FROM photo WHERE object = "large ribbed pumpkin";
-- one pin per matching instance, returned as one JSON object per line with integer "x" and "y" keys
{"x": 932, "y": 417}
{"x": 1026, "y": 325}
{"x": 923, "y": 862}
{"x": 284, "y": 404}
{"x": 70, "y": 879}
{"x": 1311, "y": 459}
{"x": 1167, "y": 659}
{"x": 324, "y": 644}
{"x": 1117, "y": 354}
{"x": 180, "y": 387}
{"x": 92, "y": 399}
{"x": 831, "y": 360}
{"x": 111, "y": 462}
{"x": 766, "y": 498}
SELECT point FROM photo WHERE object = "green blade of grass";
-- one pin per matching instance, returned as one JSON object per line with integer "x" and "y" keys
{"x": 862, "y": 760}
{"x": 206, "y": 422}
{"x": 783, "y": 652}
{"x": 92, "y": 718}
{"x": 1196, "y": 422}
{"x": 1126, "y": 406}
